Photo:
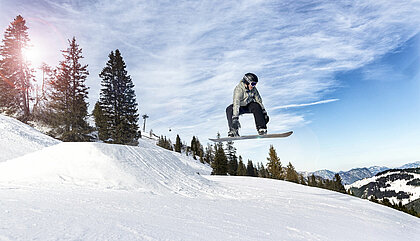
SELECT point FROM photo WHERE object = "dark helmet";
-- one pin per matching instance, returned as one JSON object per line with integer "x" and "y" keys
{"x": 250, "y": 78}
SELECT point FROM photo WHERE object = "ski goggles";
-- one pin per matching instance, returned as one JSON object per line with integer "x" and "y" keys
{"x": 254, "y": 83}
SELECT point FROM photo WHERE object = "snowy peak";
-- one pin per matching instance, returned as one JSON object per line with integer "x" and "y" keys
{"x": 355, "y": 175}
{"x": 147, "y": 168}
{"x": 18, "y": 139}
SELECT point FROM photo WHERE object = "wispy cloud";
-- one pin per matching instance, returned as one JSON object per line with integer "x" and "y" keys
{"x": 304, "y": 104}
{"x": 185, "y": 57}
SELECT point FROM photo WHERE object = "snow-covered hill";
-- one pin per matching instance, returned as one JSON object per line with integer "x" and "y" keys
{"x": 396, "y": 185}
{"x": 94, "y": 191}
{"x": 17, "y": 139}
{"x": 146, "y": 167}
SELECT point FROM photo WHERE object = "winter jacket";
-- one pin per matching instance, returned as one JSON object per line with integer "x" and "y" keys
{"x": 242, "y": 96}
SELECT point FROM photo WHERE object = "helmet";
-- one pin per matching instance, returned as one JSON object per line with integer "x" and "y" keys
{"x": 250, "y": 78}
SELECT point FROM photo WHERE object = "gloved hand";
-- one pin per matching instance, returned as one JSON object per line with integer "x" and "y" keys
{"x": 235, "y": 123}
{"x": 267, "y": 119}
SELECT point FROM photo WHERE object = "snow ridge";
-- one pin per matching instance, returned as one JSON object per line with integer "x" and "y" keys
{"x": 17, "y": 139}
{"x": 147, "y": 168}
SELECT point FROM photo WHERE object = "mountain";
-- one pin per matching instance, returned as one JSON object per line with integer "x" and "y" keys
{"x": 17, "y": 139}
{"x": 410, "y": 165}
{"x": 97, "y": 191}
{"x": 354, "y": 175}
{"x": 377, "y": 169}
{"x": 397, "y": 185}
{"x": 357, "y": 174}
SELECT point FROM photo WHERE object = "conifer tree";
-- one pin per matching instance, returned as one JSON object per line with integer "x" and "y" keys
{"x": 178, "y": 144}
{"x": 291, "y": 174}
{"x": 262, "y": 172}
{"x": 241, "y": 167}
{"x": 68, "y": 100}
{"x": 16, "y": 74}
{"x": 232, "y": 159}
{"x": 312, "y": 181}
{"x": 250, "y": 170}
{"x": 209, "y": 156}
{"x": 118, "y": 102}
{"x": 274, "y": 166}
{"x": 220, "y": 161}
{"x": 338, "y": 185}
{"x": 101, "y": 122}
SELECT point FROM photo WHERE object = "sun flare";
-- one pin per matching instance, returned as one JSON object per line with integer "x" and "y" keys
{"x": 32, "y": 55}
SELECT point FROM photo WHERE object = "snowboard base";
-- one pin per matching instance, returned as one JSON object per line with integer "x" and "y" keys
{"x": 278, "y": 135}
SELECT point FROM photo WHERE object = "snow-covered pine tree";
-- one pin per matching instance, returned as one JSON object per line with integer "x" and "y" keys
{"x": 231, "y": 158}
{"x": 274, "y": 166}
{"x": 118, "y": 103}
{"x": 209, "y": 155}
{"x": 68, "y": 99}
{"x": 16, "y": 74}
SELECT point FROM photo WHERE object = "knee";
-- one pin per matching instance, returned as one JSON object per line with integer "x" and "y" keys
{"x": 229, "y": 109}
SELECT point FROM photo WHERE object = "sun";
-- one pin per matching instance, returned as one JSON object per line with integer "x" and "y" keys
{"x": 32, "y": 55}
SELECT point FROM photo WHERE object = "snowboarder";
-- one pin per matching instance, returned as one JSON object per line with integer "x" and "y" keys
{"x": 246, "y": 99}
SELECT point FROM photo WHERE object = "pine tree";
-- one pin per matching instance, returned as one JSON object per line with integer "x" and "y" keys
{"x": 338, "y": 185}
{"x": 291, "y": 174}
{"x": 69, "y": 97}
{"x": 250, "y": 170}
{"x": 274, "y": 166}
{"x": 312, "y": 181}
{"x": 262, "y": 172}
{"x": 232, "y": 159}
{"x": 241, "y": 167}
{"x": 178, "y": 144}
{"x": 16, "y": 74}
{"x": 220, "y": 161}
{"x": 118, "y": 102}
{"x": 100, "y": 122}
{"x": 209, "y": 155}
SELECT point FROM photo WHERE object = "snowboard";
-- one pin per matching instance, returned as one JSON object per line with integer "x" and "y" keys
{"x": 237, "y": 138}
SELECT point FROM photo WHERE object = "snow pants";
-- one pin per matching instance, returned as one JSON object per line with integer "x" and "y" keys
{"x": 253, "y": 108}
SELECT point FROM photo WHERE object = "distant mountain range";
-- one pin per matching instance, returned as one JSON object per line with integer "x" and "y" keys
{"x": 356, "y": 174}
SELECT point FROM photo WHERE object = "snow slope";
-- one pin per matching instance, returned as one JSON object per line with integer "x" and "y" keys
{"x": 146, "y": 167}
{"x": 95, "y": 191}
{"x": 17, "y": 139}
{"x": 260, "y": 209}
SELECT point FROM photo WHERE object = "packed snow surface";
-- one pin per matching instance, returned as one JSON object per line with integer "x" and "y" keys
{"x": 17, "y": 139}
{"x": 96, "y": 191}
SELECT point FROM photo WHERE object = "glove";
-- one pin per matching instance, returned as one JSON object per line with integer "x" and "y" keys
{"x": 235, "y": 123}
{"x": 267, "y": 119}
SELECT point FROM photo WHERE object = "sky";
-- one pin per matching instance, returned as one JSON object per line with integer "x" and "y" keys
{"x": 343, "y": 75}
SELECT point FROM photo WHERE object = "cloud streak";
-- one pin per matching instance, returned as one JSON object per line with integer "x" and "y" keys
{"x": 304, "y": 105}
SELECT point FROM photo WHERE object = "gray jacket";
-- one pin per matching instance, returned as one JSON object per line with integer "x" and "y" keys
{"x": 242, "y": 96}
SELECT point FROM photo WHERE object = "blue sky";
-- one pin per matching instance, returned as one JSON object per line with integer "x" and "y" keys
{"x": 343, "y": 75}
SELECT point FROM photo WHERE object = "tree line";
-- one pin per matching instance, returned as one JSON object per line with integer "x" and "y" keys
{"x": 225, "y": 161}
{"x": 61, "y": 101}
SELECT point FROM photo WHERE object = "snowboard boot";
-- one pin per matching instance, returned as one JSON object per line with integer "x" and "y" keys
{"x": 233, "y": 132}
{"x": 262, "y": 131}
